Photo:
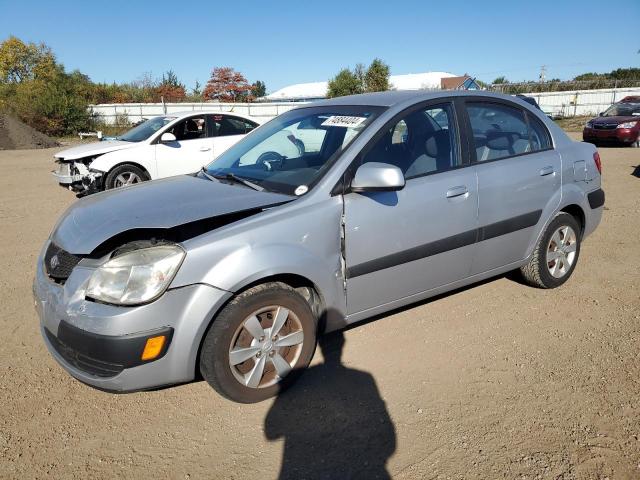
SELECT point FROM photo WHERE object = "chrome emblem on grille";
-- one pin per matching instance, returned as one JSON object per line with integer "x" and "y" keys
{"x": 54, "y": 262}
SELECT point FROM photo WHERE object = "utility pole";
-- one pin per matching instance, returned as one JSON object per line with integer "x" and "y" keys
{"x": 543, "y": 73}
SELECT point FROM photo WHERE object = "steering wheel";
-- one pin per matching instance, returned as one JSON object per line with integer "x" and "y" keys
{"x": 268, "y": 160}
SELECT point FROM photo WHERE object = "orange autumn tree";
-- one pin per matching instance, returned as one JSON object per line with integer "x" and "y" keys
{"x": 227, "y": 85}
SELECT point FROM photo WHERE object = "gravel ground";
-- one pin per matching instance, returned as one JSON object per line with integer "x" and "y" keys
{"x": 499, "y": 380}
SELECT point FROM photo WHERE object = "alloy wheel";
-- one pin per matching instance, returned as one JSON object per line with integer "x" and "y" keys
{"x": 561, "y": 251}
{"x": 266, "y": 347}
{"x": 126, "y": 178}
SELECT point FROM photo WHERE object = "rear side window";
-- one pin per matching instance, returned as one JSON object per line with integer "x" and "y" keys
{"x": 540, "y": 139}
{"x": 225, "y": 125}
{"x": 501, "y": 131}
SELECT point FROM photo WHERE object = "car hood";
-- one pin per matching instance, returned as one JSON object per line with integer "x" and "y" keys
{"x": 161, "y": 204}
{"x": 617, "y": 120}
{"x": 92, "y": 149}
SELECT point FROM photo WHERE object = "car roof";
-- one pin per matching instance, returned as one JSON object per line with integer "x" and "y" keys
{"x": 398, "y": 97}
{"x": 187, "y": 113}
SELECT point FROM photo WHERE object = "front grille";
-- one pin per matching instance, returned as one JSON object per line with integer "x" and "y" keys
{"x": 605, "y": 126}
{"x": 59, "y": 263}
{"x": 82, "y": 362}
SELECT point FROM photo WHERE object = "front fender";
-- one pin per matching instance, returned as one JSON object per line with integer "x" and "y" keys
{"x": 247, "y": 265}
{"x": 142, "y": 155}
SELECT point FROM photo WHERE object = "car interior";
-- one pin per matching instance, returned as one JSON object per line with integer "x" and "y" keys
{"x": 417, "y": 145}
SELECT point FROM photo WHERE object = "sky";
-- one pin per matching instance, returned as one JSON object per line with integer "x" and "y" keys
{"x": 287, "y": 42}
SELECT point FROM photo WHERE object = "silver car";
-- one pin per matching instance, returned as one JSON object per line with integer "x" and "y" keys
{"x": 232, "y": 272}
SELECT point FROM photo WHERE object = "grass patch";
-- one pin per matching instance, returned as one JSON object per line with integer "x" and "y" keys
{"x": 573, "y": 124}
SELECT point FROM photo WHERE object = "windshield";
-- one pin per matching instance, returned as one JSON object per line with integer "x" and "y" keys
{"x": 145, "y": 129}
{"x": 290, "y": 153}
{"x": 623, "y": 110}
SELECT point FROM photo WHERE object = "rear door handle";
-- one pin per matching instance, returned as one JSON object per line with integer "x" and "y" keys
{"x": 205, "y": 149}
{"x": 457, "y": 191}
{"x": 546, "y": 171}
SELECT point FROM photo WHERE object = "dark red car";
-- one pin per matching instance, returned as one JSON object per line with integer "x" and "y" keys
{"x": 620, "y": 123}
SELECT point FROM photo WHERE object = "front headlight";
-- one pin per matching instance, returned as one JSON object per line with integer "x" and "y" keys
{"x": 627, "y": 125}
{"x": 136, "y": 277}
{"x": 589, "y": 124}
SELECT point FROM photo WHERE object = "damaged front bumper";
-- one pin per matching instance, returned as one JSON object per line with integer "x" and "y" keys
{"x": 78, "y": 177}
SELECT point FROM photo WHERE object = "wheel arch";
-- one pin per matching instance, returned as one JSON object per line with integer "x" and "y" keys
{"x": 125, "y": 162}
{"x": 303, "y": 285}
{"x": 576, "y": 212}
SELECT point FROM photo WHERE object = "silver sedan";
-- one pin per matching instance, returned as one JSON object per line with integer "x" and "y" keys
{"x": 327, "y": 215}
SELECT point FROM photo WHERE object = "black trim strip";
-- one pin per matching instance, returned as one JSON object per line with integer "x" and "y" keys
{"x": 446, "y": 244}
{"x": 596, "y": 198}
{"x": 103, "y": 354}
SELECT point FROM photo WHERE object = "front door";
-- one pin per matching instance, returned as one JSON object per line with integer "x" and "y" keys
{"x": 192, "y": 149}
{"x": 399, "y": 244}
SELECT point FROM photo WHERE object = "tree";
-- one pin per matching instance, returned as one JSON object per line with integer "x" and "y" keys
{"x": 258, "y": 89}
{"x": 20, "y": 62}
{"x": 226, "y": 85}
{"x": 500, "y": 80}
{"x": 344, "y": 83}
{"x": 348, "y": 82}
{"x": 196, "y": 91}
{"x": 360, "y": 72}
{"x": 170, "y": 88}
{"x": 377, "y": 77}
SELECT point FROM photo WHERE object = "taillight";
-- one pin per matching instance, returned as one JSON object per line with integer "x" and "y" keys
{"x": 596, "y": 159}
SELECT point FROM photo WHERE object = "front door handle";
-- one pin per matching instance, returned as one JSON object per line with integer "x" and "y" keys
{"x": 205, "y": 149}
{"x": 457, "y": 191}
{"x": 547, "y": 171}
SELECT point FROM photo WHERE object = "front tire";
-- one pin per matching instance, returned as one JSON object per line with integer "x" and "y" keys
{"x": 259, "y": 343}
{"x": 124, "y": 176}
{"x": 556, "y": 254}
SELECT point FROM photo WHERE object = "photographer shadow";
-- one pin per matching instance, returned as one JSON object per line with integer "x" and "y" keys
{"x": 334, "y": 423}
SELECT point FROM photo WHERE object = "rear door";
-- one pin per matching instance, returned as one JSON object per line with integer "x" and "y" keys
{"x": 192, "y": 149}
{"x": 398, "y": 244}
{"x": 228, "y": 130}
{"x": 518, "y": 180}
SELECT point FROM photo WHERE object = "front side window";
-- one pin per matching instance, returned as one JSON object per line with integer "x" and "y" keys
{"x": 501, "y": 131}
{"x": 190, "y": 129}
{"x": 423, "y": 142}
{"x": 290, "y": 153}
{"x": 145, "y": 129}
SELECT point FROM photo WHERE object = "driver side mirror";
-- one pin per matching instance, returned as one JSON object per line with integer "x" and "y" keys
{"x": 377, "y": 177}
{"x": 167, "y": 137}
{"x": 601, "y": 114}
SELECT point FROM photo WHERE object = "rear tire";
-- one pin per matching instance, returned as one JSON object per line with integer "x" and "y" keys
{"x": 243, "y": 358}
{"x": 556, "y": 254}
{"x": 125, "y": 175}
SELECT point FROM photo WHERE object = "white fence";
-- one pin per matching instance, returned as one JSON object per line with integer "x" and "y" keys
{"x": 557, "y": 104}
{"x": 110, "y": 113}
{"x": 581, "y": 102}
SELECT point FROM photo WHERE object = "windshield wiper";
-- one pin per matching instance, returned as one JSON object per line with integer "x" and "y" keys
{"x": 233, "y": 178}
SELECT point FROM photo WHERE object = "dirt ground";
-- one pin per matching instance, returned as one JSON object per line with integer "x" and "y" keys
{"x": 15, "y": 134}
{"x": 499, "y": 380}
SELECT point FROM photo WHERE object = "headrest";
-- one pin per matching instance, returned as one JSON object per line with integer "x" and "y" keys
{"x": 497, "y": 140}
{"x": 438, "y": 144}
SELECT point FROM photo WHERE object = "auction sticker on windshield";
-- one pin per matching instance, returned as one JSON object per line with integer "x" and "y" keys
{"x": 343, "y": 121}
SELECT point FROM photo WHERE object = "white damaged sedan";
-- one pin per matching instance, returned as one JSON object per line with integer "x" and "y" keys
{"x": 163, "y": 146}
